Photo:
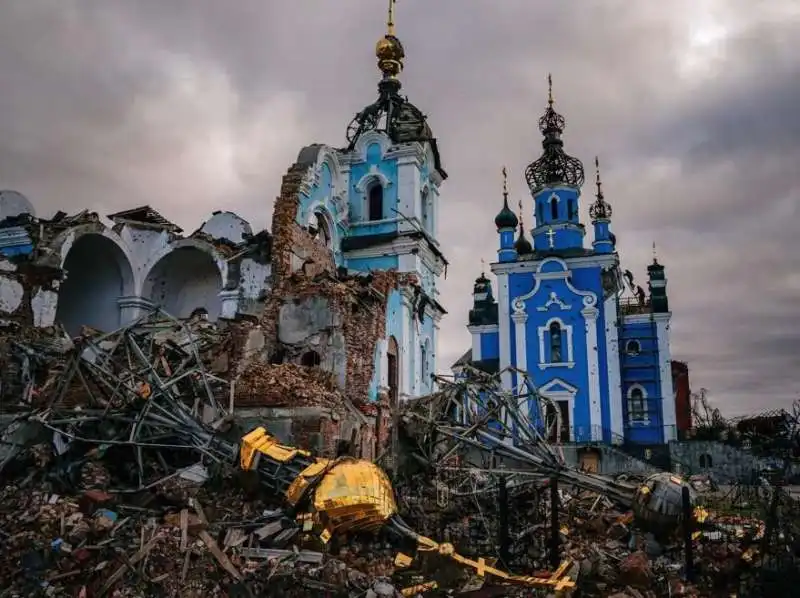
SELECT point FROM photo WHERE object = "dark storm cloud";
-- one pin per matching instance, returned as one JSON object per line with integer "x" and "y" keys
{"x": 197, "y": 105}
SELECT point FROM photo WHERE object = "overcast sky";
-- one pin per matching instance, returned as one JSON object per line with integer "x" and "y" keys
{"x": 692, "y": 106}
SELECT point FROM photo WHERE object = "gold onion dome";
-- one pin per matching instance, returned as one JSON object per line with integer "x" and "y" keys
{"x": 390, "y": 54}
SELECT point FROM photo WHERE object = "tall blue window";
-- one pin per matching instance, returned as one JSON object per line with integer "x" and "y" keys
{"x": 554, "y": 208}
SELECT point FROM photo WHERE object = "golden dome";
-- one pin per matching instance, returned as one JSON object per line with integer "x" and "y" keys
{"x": 390, "y": 53}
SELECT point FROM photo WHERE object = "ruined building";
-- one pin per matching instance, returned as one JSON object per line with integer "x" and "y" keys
{"x": 602, "y": 360}
{"x": 345, "y": 282}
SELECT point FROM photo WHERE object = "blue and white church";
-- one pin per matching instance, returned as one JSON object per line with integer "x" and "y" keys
{"x": 560, "y": 315}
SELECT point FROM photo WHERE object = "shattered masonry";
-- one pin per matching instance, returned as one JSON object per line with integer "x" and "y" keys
{"x": 297, "y": 336}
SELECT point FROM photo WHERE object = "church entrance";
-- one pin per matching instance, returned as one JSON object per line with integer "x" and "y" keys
{"x": 552, "y": 432}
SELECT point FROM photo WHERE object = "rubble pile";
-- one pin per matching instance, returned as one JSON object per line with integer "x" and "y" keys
{"x": 286, "y": 385}
{"x": 215, "y": 542}
{"x": 126, "y": 473}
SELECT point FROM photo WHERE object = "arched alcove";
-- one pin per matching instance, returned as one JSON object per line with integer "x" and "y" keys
{"x": 98, "y": 273}
{"x": 183, "y": 280}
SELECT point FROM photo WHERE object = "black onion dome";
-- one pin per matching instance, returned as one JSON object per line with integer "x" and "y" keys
{"x": 554, "y": 166}
{"x": 522, "y": 245}
{"x": 506, "y": 218}
{"x": 600, "y": 209}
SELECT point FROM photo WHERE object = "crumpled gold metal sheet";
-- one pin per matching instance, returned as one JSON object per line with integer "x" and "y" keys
{"x": 354, "y": 495}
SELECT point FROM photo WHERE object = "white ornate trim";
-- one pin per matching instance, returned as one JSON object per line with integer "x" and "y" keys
{"x": 483, "y": 328}
{"x": 373, "y": 175}
{"x": 668, "y": 415}
{"x": 504, "y": 332}
{"x": 645, "y": 421}
{"x": 590, "y": 315}
{"x": 646, "y": 318}
{"x": 364, "y": 141}
{"x": 604, "y": 260}
{"x": 401, "y": 246}
{"x": 589, "y": 298}
{"x": 567, "y": 395}
{"x": 310, "y": 181}
{"x": 554, "y": 300}
{"x": 566, "y": 335}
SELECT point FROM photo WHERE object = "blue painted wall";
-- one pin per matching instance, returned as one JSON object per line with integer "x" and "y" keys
{"x": 642, "y": 370}
{"x": 490, "y": 345}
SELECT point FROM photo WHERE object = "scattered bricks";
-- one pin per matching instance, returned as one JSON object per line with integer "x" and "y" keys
{"x": 635, "y": 570}
{"x": 91, "y": 500}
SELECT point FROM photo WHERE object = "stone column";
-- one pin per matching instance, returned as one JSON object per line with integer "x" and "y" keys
{"x": 132, "y": 308}
{"x": 590, "y": 313}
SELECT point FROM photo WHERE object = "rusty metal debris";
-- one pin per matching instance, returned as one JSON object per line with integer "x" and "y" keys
{"x": 128, "y": 474}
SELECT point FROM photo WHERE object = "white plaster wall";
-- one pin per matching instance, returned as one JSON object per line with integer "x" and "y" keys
{"x": 227, "y": 225}
{"x": 11, "y": 294}
{"x": 143, "y": 245}
{"x": 665, "y": 371}
{"x": 253, "y": 278}
{"x": 183, "y": 280}
{"x": 44, "y": 305}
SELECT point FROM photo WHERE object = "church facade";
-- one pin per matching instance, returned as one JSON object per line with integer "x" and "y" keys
{"x": 597, "y": 364}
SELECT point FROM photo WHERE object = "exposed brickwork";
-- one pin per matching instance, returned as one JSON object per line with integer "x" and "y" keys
{"x": 303, "y": 267}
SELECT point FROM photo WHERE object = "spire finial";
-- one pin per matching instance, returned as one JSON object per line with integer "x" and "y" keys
{"x": 389, "y": 51}
{"x": 521, "y": 225}
{"x": 483, "y": 267}
{"x": 655, "y": 256}
{"x": 390, "y": 20}
{"x": 505, "y": 183}
{"x": 549, "y": 90}
{"x": 598, "y": 182}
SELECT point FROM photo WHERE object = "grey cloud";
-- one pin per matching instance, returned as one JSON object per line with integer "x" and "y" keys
{"x": 192, "y": 106}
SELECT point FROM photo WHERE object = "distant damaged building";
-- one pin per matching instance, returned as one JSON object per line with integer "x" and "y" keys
{"x": 345, "y": 283}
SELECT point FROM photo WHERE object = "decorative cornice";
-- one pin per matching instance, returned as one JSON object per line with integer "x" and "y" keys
{"x": 401, "y": 246}
{"x": 575, "y": 263}
{"x": 589, "y": 298}
{"x": 647, "y": 318}
{"x": 519, "y": 317}
{"x": 480, "y": 329}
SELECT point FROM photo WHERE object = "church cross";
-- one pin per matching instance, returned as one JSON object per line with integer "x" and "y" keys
{"x": 551, "y": 237}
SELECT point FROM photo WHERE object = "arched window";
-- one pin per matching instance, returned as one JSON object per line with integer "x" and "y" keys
{"x": 637, "y": 405}
{"x": 554, "y": 207}
{"x": 556, "y": 355}
{"x": 318, "y": 228}
{"x": 633, "y": 348}
{"x": 310, "y": 359}
{"x": 375, "y": 208}
{"x": 571, "y": 209}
